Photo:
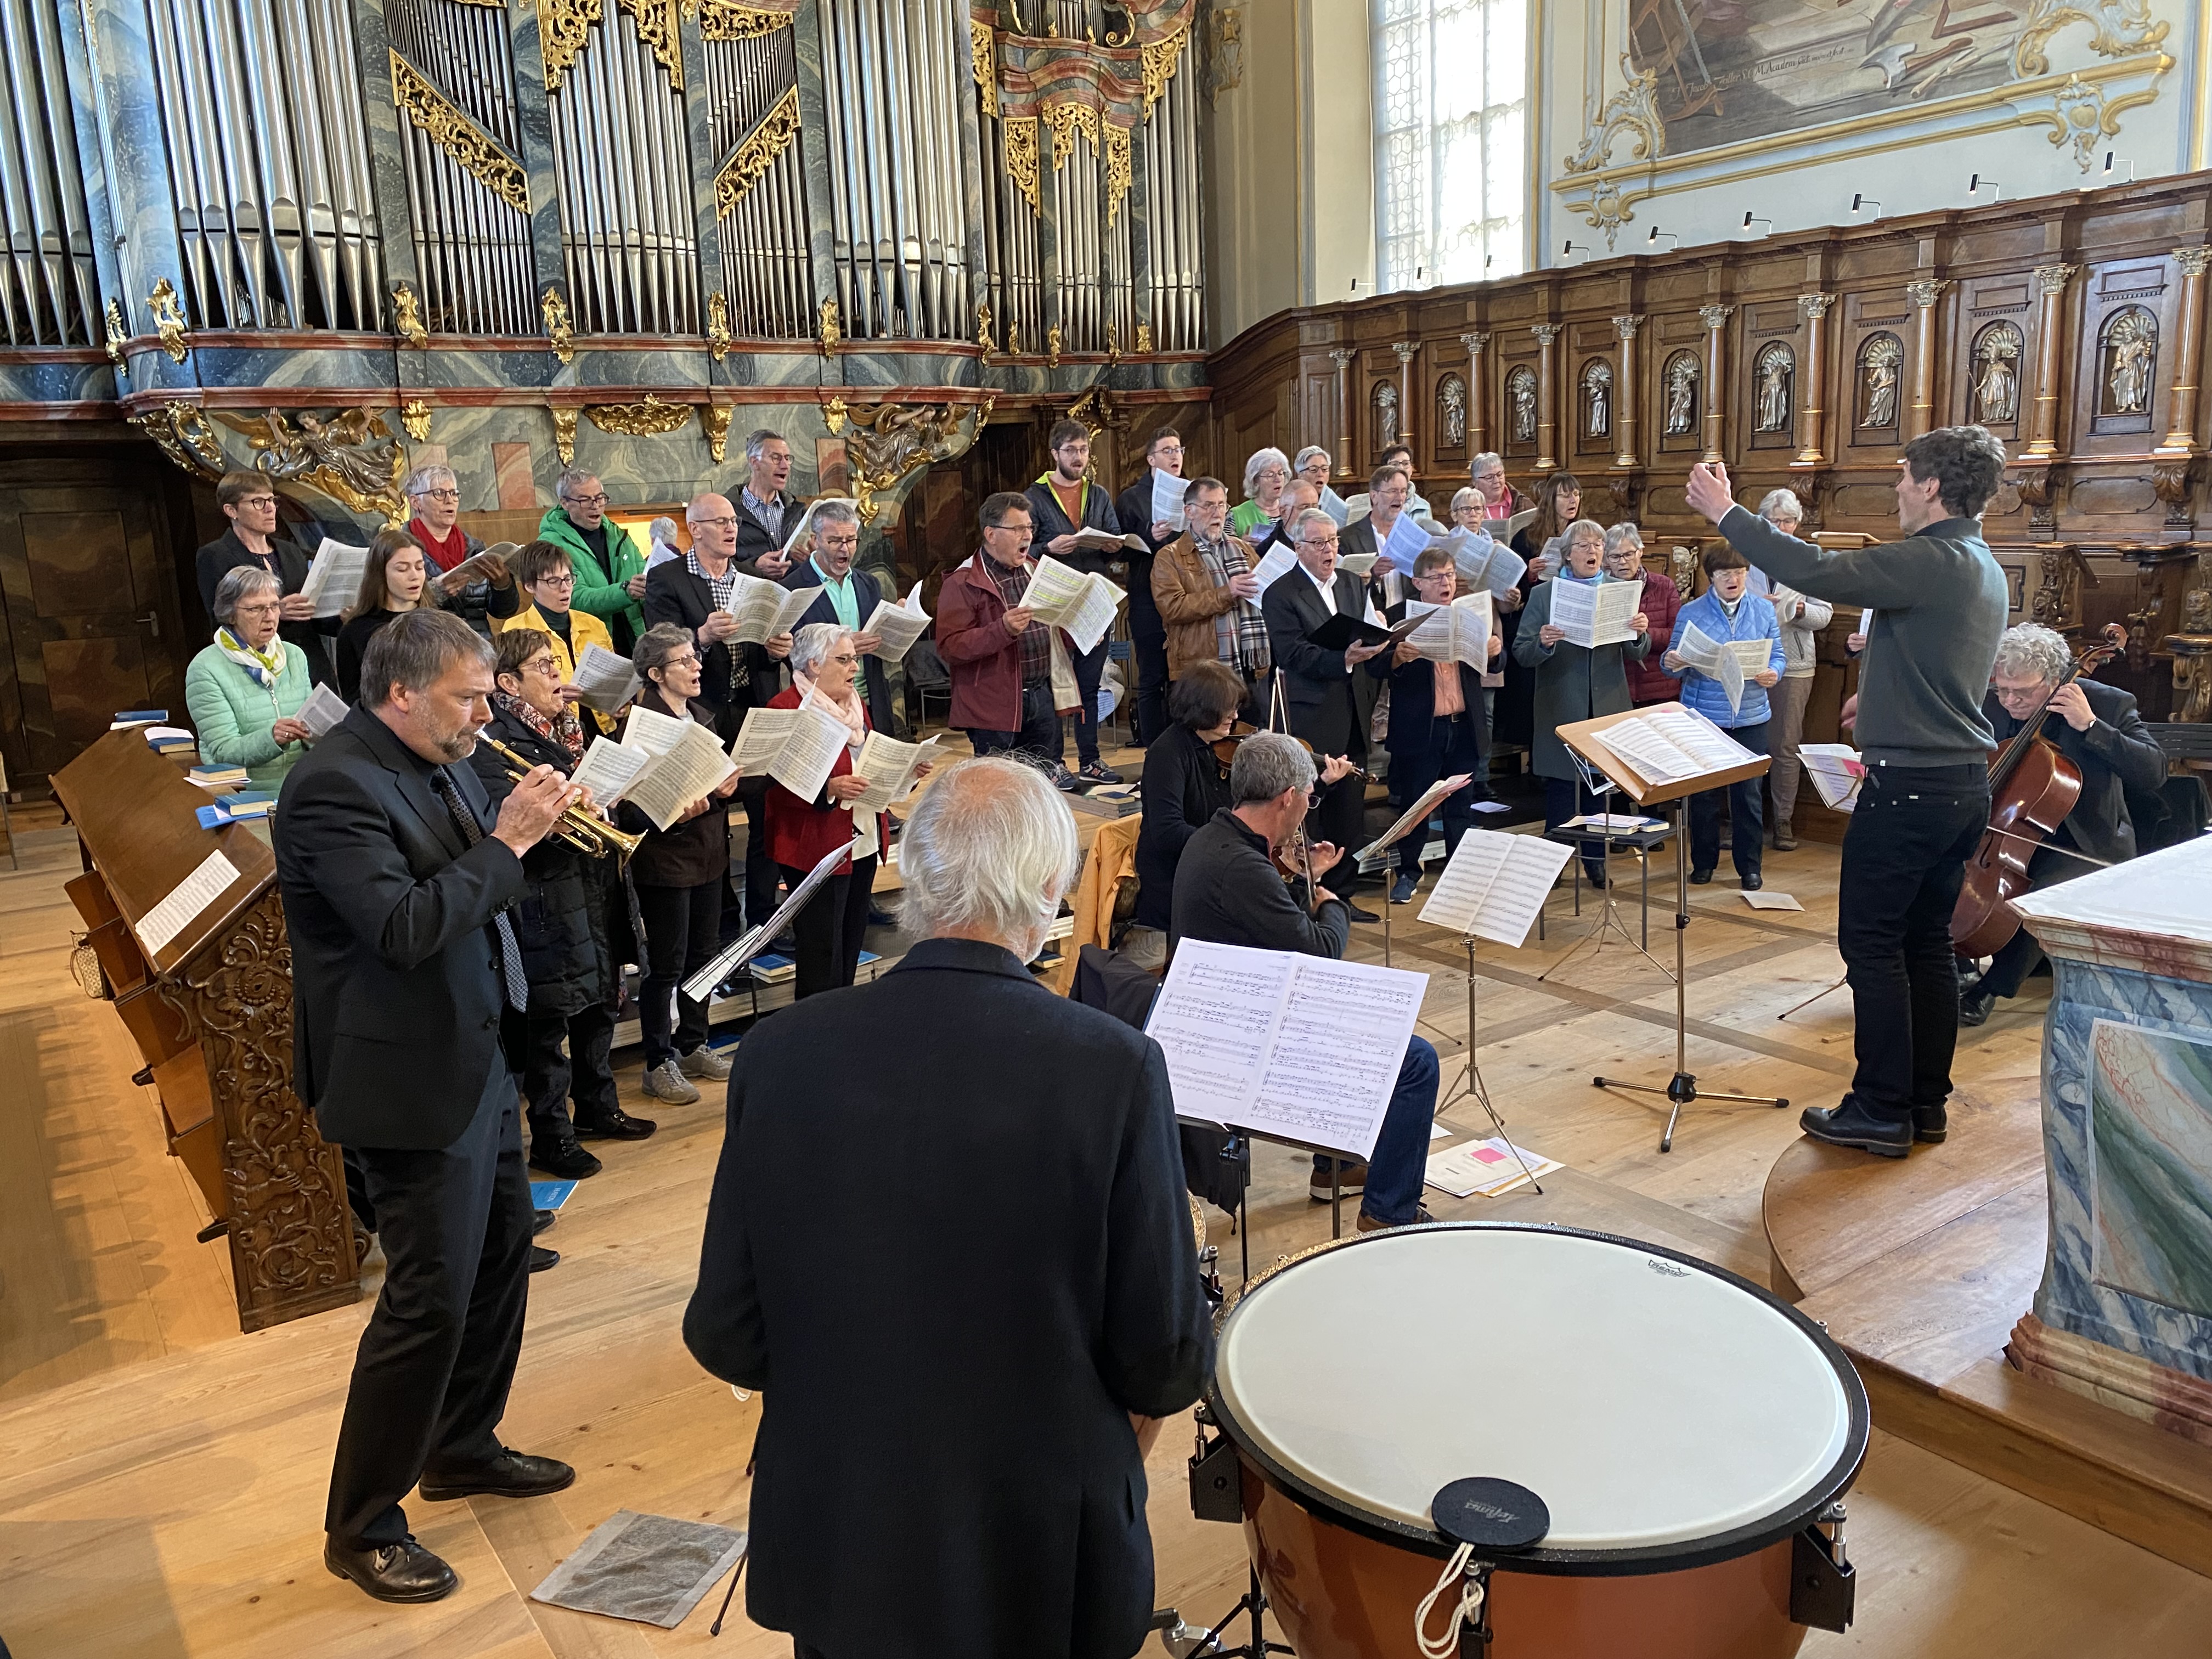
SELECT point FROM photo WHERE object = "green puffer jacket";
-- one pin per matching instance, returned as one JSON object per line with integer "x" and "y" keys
{"x": 598, "y": 590}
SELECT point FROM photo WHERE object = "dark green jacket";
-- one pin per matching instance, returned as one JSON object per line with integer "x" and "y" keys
{"x": 598, "y": 590}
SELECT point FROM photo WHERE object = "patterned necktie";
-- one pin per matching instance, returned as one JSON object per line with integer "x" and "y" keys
{"x": 510, "y": 953}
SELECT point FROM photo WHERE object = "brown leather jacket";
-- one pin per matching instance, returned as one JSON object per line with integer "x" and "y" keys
{"x": 1188, "y": 601}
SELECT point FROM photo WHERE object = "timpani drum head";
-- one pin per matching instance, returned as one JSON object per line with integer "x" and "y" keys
{"x": 1658, "y": 1407}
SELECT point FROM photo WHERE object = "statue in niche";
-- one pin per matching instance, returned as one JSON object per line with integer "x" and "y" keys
{"x": 1996, "y": 379}
{"x": 2131, "y": 346}
{"x": 1681, "y": 393}
{"x": 1597, "y": 400}
{"x": 1682, "y": 566}
{"x": 1521, "y": 389}
{"x": 1776, "y": 368}
{"x": 2192, "y": 657}
{"x": 1879, "y": 362}
{"x": 1386, "y": 417}
{"x": 1451, "y": 398}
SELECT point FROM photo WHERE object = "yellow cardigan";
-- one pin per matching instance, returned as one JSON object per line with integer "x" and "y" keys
{"x": 584, "y": 628}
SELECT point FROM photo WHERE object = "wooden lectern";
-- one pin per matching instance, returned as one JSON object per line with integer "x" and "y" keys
{"x": 211, "y": 1013}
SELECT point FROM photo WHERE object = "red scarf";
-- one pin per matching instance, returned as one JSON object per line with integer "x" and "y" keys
{"x": 442, "y": 555}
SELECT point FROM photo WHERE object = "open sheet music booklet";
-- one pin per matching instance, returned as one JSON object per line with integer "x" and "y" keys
{"x": 322, "y": 711}
{"x": 1672, "y": 744}
{"x": 889, "y": 765}
{"x": 660, "y": 766}
{"x": 605, "y": 680}
{"x": 1458, "y": 632}
{"x": 1731, "y": 662}
{"x": 1415, "y": 816}
{"x": 487, "y": 564}
{"x": 334, "y": 579}
{"x": 1837, "y": 772}
{"x": 765, "y": 609}
{"x": 1081, "y": 605}
{"x": 1168, "y": 491}
{"x": 897, "y": 625}
{"x": 1495, "y": 884}
{"x": 1279, "y": 558}
{"x": 797, "y": 747}
{"x": 1090, "y": 539}
{"x": 1301, "y": 1048}
{"x": 1483, "y": 560}
{"x": 1591, "y": 614}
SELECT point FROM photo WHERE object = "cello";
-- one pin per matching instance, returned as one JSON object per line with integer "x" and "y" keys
{"x": 2033, "y": 787}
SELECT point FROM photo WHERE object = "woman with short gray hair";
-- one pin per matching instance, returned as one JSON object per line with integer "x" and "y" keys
{"x": 1267, "y": 476}
{"x": 244, "y": 690}
{"x": 433, "y": 495}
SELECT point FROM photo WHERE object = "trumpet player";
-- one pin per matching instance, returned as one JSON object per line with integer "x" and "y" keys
{"x": 574, "y": 905}
{"x": 398, "y": 876}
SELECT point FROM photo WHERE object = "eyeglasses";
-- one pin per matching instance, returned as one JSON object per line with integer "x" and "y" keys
{"x": 259, "y": 501}
{"x": 688, "y": 659}
{"x": 1316, "y": 541}
{"x": 543, "y": 665}
{"x": 586, "y": 501}
{"x": 842, "y": 656}
{"x": 714, "y": 524}
{"x": 439, "y": 495}
{"x": 566, "y": 579}
{"x": 266, "y": 608}
{"x": 2020, "y": 693}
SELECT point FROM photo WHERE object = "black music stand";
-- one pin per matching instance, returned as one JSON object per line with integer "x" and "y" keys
{"x": 1582, "y": 737}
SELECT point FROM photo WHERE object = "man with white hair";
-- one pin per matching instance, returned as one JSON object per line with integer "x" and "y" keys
{"x": 608, "y": 564}
{"x": 434, "y": 495}
{"x": 950, "y": 1455}
{"x": 767, "y": 511}
{"x": 2099, "y": 728}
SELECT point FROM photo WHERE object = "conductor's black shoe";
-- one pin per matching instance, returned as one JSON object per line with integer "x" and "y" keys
{"x": 540, "y": 1221}
{"x": 614, "y": 1124}
{"x": 404, "y": 1572}
{"x": 541, "y": 1258}
{"x": 560, "y": 1156}
{"x": 511, "y": 1474}
{"x": 1930, "y": 1124}
{"x": 1699, "y": 878}
{"x": 1975, "y": 1003}
{"x": 1753, "y": 882}
{"x": 1850, "y": 1124}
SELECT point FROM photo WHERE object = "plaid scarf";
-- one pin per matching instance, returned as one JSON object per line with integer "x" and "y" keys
{"x": 567, "y": 730}
{"x": 1240, "y": 633}
{"x": 1036, "y": 643}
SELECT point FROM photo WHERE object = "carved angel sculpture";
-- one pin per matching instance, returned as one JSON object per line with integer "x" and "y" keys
{"x": 346, "y": 451}
{"x": 1681, "y": 395}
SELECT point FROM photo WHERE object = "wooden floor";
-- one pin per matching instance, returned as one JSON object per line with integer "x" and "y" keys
{"x": 161, "y": 1477}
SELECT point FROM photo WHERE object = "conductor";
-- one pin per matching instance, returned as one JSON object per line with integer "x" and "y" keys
{"x": 952, "y": 1438}
{"x": 395, "y": 876}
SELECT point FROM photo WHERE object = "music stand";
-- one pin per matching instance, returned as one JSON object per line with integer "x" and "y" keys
{"x": 1582, "y": 737}
{"x": 1598, "y": 787}
{"x": 1414, "y": 820}
{"x": 1470, "y": 1084}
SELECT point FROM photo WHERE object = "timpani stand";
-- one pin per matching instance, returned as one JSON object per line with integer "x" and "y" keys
{"x": 1582, "y": 738}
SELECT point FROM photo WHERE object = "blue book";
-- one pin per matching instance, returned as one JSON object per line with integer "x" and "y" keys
{"x": 139, "y": 717}
{"x": 551, "y": 1195}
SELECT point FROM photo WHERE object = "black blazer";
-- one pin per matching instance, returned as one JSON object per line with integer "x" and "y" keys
{"x": 396, "y": 985}
{"x": 1132, "y": 509}
{"x": 944, "y": 1463}
{"x": 867, "y": 594}
{"x": 753, "y": 539}
{"x": 1184, "y": 788}
{"x": 1318, "y": 693}
{"x": 2116, "y": 754}
{"x": 674, "y": 594}
{"x": 227, "y": 553}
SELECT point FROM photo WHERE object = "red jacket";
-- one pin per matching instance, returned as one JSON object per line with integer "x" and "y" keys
{"x": 1647, "y": 681}
{"x": 984, "y": 660}
{"x": 801, "y": 832}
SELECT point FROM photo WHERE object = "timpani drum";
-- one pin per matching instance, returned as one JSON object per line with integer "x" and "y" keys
{"x": 1688, "y": 1436}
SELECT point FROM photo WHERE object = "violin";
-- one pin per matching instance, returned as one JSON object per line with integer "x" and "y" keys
{"x": 1224, "y": 751}
{"x": 2033, "y": 787}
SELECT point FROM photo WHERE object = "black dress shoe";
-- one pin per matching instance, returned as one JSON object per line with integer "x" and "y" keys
{"x": 511, "y": 1474}
{"x": 1930, "y": 1124}
{"x": 540, "y": 1221}
{"x": 1753, "y": 882}
{"x": 614, "y": 1125}
{"x": 1699, "y": 878}
{"x": 541, "y": 1258}
{"x": 1850, "y": 1124}
{"x": 1975, "y": 1003}
{"x": 404, "y": 1572}
{"x": 560, "y": 1156}
{"x": 1358, "y": 914}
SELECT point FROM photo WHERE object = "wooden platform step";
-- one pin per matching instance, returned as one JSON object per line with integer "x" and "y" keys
{"x": 1920, "y": 1270}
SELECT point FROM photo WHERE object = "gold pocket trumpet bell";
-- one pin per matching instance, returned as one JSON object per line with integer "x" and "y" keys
{"x": 584, "y": 830}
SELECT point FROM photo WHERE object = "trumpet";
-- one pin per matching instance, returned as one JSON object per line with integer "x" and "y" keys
{"x": 585, "y": 831}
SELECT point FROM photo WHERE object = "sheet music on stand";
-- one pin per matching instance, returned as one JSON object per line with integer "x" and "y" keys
{"x": 701, "y": 985}
{"x": 1672, "y": 744}
{"x": 1415, "y": 816}
{"x": 1298, "y": 1048}
{"x": 1837, "y": 772}
{"x": 1494, "y": 884}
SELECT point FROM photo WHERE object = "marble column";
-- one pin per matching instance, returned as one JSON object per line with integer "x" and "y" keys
{"x": 1408, "y": 350}
{"x": 2043, "y": 426}
{"x": 1478, "y": 394}
{"x": 1812, "y": 402}
{"x": 1624, "y": 403}
{"x": 1715, "y": 318}
{"x": 1920, "y": 415}
{"x": 1547, "y": 397}
{"x": 1342, "y": 356}
{"x": 2189, "y": 348}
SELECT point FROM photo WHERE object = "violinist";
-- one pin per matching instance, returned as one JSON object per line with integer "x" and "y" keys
{"x": 2097, "y": 728}
{"x": 1228, "y": 891}
{"x": 1939, "y": 600}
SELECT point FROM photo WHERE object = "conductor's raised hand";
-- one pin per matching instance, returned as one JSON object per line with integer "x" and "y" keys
{"x": 1709, "y": 493}
{"x": 532, "y": 808}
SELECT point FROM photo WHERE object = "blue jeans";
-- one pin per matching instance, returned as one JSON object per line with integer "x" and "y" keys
{"x": 1747, "y": 832}
{"x": 1039, "y": 736}
{"x": 1401, "y": 1158}
{"x": 1454, "y": 745}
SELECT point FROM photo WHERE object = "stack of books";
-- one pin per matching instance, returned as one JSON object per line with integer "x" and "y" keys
{"x": 217, "y": 777}
{"x": 246, "y": 804}
{"x": 170, "y": 740}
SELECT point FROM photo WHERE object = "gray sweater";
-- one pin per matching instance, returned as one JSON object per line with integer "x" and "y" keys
{"x": 1939, "y": 601}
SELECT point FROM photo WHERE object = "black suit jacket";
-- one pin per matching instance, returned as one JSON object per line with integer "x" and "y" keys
{"x": 944, "y": 1463}
{"x": 674, "y": 594}
{"x": 867, "y": 594}
{"x": 1133, "y": 508}
{"x": 226, "y": 552}
{"x": 753, "y": 539}
{"x": 2116, "y": 754}
{"x": 1318, "y": 694}
{"x": 396, "y": 985}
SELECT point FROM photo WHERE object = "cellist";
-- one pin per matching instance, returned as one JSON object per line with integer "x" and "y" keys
{"x": 2098, "y": 729}
{"x": 1939, "y": 601}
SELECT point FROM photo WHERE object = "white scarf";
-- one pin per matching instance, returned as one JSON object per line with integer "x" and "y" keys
{"x": 856, "y": 722}
{"x": 267, "y": 666}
